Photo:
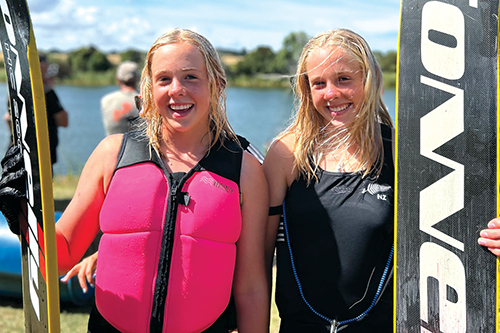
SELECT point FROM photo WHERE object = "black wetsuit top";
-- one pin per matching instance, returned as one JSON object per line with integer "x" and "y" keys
{"x": 341, "y": 235}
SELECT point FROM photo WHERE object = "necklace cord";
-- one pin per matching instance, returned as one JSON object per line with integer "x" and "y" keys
{"x": 299, "y": 285}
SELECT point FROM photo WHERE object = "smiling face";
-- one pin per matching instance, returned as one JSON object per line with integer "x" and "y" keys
{"x": 181, "y": 88}
{"x": 336, "y": 83}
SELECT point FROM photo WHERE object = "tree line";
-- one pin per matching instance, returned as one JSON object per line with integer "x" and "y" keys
{"x": 253, "y": 67}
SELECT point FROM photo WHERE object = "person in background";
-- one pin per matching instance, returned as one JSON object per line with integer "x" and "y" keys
{"x": 118, "y": 108}
{"x": 56, "y": 114}
{"x": 331, "y": 175}
{"x": 120, "y": 113}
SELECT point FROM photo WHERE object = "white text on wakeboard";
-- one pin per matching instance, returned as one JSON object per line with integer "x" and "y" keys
{"x": 444, "y": 197}
{"x": 18, "y": 106}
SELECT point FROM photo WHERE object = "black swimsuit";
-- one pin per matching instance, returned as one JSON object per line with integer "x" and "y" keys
{"x": 341, "y": 235}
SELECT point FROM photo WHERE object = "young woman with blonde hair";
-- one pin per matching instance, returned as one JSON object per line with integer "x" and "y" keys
{"x": 181, "y": 206}
{"x": 333, "y": 171}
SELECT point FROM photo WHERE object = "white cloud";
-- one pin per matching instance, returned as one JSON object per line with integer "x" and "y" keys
{"x": 88, "y": 15}
{"x": 119, "y": 25}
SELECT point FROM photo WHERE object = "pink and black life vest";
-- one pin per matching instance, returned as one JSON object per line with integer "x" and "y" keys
{"x": 168, "y": 250}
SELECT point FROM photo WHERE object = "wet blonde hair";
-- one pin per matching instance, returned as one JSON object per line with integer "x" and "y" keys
{"x": 308, "y": 124}
{"x": 218, "y": 124}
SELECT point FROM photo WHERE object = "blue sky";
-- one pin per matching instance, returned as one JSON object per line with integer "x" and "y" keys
{"x": 117, "y": 25}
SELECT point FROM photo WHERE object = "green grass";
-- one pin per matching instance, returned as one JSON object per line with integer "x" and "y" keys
{"x": 73, "y": 318}
{"x": 64, "y": 186}
{"x": 256, "y": 81}
{"x": 90, "y": 79}
{"x": 260, "y": 82}
{"x": 390, "y": 80}
{"x": 276, "y": 81}
{"x": 80, "y": 78}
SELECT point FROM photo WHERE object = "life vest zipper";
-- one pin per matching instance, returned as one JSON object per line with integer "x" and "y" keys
{"x": 163, "y": 274}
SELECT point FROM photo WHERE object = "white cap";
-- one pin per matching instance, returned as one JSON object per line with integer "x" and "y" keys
{"x": 127, "y": 71}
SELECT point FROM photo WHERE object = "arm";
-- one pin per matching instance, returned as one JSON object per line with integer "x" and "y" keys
{"x": 61, "y": 118}
{"x": 491, "y": 237}
{"x": 6, "y": 118}
{"x": 278, "y": 169}
{"x": 250, "y": 283}
{"x": 79, "y": 223}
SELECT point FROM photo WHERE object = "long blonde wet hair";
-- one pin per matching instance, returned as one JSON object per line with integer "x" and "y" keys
{"x": 218, "y": 124}
{"x": 307, "y": 125}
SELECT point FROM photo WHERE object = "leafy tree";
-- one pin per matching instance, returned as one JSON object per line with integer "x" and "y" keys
{"x": 79, "y": 58}
{"x": 133, "y": 55}
{"x": 257, "y": 61}
{"x": 387, "y": 61}
{"x": 288, "y": 56}
{"x": 88, "y": 59}
{"x": 98, "y": 62}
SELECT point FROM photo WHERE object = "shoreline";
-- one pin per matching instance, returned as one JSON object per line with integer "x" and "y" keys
{"x": 260, "y": 81}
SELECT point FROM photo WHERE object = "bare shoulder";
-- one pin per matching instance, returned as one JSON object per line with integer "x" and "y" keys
{"x": 107, "y": 150}
{"x": 102, "y": 162}
{"x": 253, "y": 184}
{"x": 251, "y": 169}
{"x": 110, "y": 143}
{"x": 251, "y": 161}
{"x": 279, "y": 161}
{"x": 283, "y": 146}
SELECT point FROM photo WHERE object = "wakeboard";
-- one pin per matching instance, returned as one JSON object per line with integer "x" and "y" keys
{"x": 447, "y": 166}
{"x": 29, "y": 128}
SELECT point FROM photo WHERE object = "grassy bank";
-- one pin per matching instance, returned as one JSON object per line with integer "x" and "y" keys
{"x": 90, "y": 79}
{"x": 244, "y": 81}
{"x": 260, "y": 81}
{"x": 73, "y": 318}
{"x": 64, "y": 186}
{"x": 283, "y": 81}
{"x": 94, "y": 79}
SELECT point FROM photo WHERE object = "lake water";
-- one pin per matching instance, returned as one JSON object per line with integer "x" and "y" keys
{"x": 257, "y": 114}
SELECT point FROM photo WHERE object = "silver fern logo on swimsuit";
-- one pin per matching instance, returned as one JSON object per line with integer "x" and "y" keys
{"x": 213, "y": 182}
{"x": 378, "y": 190}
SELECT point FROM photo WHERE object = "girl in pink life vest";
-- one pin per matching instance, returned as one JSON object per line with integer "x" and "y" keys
{"x": 181, "y": 206}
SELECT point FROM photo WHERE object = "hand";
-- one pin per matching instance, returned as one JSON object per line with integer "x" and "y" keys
{"x": 490, "y": 237}
{"x": 12, "y": 186}
{"x": 85, "y": 271}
